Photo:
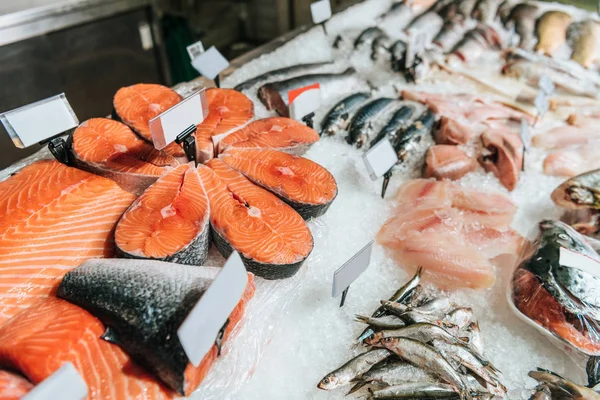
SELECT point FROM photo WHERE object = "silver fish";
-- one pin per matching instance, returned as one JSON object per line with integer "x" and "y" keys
{"x": 465, "y": 7}
{"x": 337, "y": 118}
{"x": 381, "y": 43}
{"x": 523, "y": 17}
{"x": 423, "y": 332}
{"x": 368, "y": 36}
{"x": 475, "y": 338}
{"x": 391, "y": 373}
{"x": 396, "y": 123}
{"x": 360, "y": 128}
{"x": 438, "y": 307}
{"x": 425, "y": 356}
{"x": 559, "y": 386}
{"x": 452, "y": 32}
{"x": 593, "y": 371}
{"x": 287, "y": 71}
{"x": 416, "y": 390}
{"x": 384, "y": 322}
{"x": 580, "y": 192}
{"x": 427, "y": 24}
{"x": 460, "y": 317}
{"x": 486, "y": 10}
{"x": 353, "y": 369}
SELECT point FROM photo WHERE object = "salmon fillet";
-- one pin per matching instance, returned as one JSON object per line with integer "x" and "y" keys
{"x": 13, "y": 386}
{"x": 53, "y": 218}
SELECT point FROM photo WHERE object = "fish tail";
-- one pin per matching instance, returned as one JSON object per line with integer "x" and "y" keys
{"x": 357, "y": 387}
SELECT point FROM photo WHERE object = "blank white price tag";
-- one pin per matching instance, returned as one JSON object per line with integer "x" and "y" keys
{"x": 194, "y": 50}
{"x": 64, "y": 384}
{"x": 199, "y": 331}
{"x": 321, "y": 11}
{"x": 38, "y": 121}
{"x": 525, "y": 133}
{"x": 541, "y": 102}
{"x": 579, "y": 261}
{"x": 304, "y": 101}
{"x": 146, "y": 36}
{"x": 352, "y": 269}
{"x": 167, "y": 126}
{"x": 210, "y": 63}
{"x": 546, "y": 85}
{"x": 380, "y": 158}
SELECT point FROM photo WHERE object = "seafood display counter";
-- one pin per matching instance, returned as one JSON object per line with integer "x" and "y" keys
{"x": 481, "y": 274}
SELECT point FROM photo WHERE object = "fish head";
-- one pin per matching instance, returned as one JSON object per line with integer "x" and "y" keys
{"x": 329, "y": 382}
{"x": 558, "y": 234}
{"x": 374, "y": 339}
{"x": 388, "y": 342}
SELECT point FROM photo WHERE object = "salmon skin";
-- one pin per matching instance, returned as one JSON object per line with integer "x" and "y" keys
{"x": 13, "y": 386}
{"x": 38, "y": 341}
{"x": 283, "y": 134}
{"x": 169, "y": 222}
{"x": 291, "y": 70}
{"x": 122, "y": 293}
{"x": 52, "y": 218}
{"x": 274, "y": 95}
{"x": 136, "y": 105}
{"x": 280, "y": 240}
{"x": 303, "y": 184}
{"x": 109, "y": 148}
{"x": 228, "y": 110}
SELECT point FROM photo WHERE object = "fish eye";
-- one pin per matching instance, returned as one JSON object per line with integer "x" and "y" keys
{"x": 563, "y": 236}
{"x": 325, "y": 380}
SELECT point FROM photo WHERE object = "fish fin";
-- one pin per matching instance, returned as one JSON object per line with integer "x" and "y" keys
{"x": 110, "y": 336}
{"x": 357, "y": 387}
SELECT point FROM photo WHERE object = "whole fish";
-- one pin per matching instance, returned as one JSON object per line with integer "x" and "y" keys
{"x": 416, "y": 390}
{"x": 460, "y": 317}
{"x": 380, "y": 43}
{"x": 385, "y": 322}
{"x": 523, "y": 16}
{"x": 368, "y": 36}
{"x": 397, "y": 9}
{"x": 423, "y": 332}
{"x": 542, "y": 392}
{"x": 291, "y": 70}
{"x": 396, "y": 123}
{"x": 476, "y": 41}
{"x": 551, "y": 30}
{"x": 360, "y": 128}
{"x": 438, "y": 307}
{"x": 274, "y": 95}
{"x": 427, "y": 24}
{"x": 337, "y": 118}
{"x": 579, "y": 192}
{"x": 486, "y": 10}
{"x": 392, "y": 373}
{"x": 559, "y": 386}
{"x": 405, "y": 142}
{"x": 451, "y": 33}
{"x": 465, "y": 7}
{"x": 475, "y": 338}
{"x": 584, "y": 37}
{"x": 425, "y": 356}
{"x": 353, "y": 369}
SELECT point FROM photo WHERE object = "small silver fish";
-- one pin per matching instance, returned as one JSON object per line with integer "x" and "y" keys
{"x": 353, "y": 369}
{"x": 384, "y": 322}
{"x": 475, "y": 339}
{"x": 486, "y": 10}
{"x": 460, "y": 316}
{"x": 392, "y": 373}
{"x": 423, "y": 332}
{"x": 416, "y": 390}
{"x": 559, "y": 386}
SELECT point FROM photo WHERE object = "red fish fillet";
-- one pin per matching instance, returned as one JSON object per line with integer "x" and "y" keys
{"x": 279, "y": 133}
{"x": 136, "y": 105}
{"x": 279, "y": 240}
{"x": 53, "y": 218}
{"x": 228, "y": 110}
{"x": 447, "y": 162}
{"x": 13, "y": 386}
{"x": 109, "y": 148}
{"x": 169, "y": 221}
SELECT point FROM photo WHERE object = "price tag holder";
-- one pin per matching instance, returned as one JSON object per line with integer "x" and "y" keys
{"x": 194, "y": 50}
{"x": 345, "y": 275}
{"x": 304, "y": 101}
{"x": 39, "y": 121}
{"x": 525, "y": 138}
{"x": 542, "y": 103}
{"x": 210, "y": 63}
{"x": 580, "y": 261}
{"x": 204, "y": 323}
{"x": 166, "y": 127}
{"x": 320, "y": 11}
{"x": 546, "y": 84}
{"x": 65, "y": 384}
{"x": 380, "y": 159}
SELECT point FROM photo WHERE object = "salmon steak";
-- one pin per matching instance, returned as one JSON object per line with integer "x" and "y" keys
{"x": 228, "y": 110}
{"x": 143, "y": 304}
{"x": 54, "y": 217}
{"x": 278, "y": 133}
{"x": 40, "y": 339}
{"x": 136, "y": 105}
{"x": 13, "y": 386}
{"x": 169, "y": 222}
{"x": 270, "y": 236}
{"x": 303, "y": 184}
{"x": 109, "y": 148}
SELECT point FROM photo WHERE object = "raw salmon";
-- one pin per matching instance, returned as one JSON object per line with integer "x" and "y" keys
{"x": 303, "y": 184}
{"x": 53, "y": 217}
{"x": 143, "y": 304}
{"x": 446, "y": 161}
{"x": 452, "y": 232}
{"x": 271, "y": 237}
{"x": 169, "y": 222}
{"x": 109, "y": 148}
{"x": 13, "y": 386}
{"x": 283, "y": 134}
{"x": 451, "y": 131}
{"x": 571, "y": 162}
{"x": 136, "y": 105}
{"x": 40, "y": 339}
{"x": 228, "y": 110}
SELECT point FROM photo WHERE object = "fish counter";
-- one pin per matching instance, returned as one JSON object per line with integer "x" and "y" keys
{"x": 483, "y": 281}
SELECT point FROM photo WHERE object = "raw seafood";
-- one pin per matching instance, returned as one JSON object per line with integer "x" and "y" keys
{"x": 476, "y": 42}
{"x": 486, "y": 10}
{"x": 450, "y": 131}
{"x": 283, "y": 134}
{"x": 353, "y": 369}
{"x": 503, "y": 155}
{"x": 380, "y": 45}
{"x": 427, "y": 24}
{"x": 573, "y": 161}
{"x": 360, "y": 128}
{"x": 447, "y": 162}
{"x": 279, "y": 242}
{"x": 558, "y": 386}
{"x": 397, "y": 123}
{"x": 13, "y": 386}
{"x": 136, "y": 105}
{"x": 286, "y": 71}
{"x": 580, "y": 192}
{"x": 468, "y": 227}
{"x": 416, "y": 391}
{"x": 169, "y": 222}
{"x": 337, "y": 118}
{"x": 564, "y": 136}
{"x": 451, "y": 33}
{"x": 551, "y": 30}
{"x": 404, "y": 142}
{"x": 585, "y": 36}
{"x": 274, "y": 95}
{"x": 368, "y": 36}
{"x": 53, "y": 218}
{"x": 109, "y": 148}
{"x": 228, "y": 110}
{"x": 423, "y": 332}
{"x": 523, "y": 16}
{"x": 303, "y": 184}
{"x": 142, "y": 304}
{"x": 40, "y": 339}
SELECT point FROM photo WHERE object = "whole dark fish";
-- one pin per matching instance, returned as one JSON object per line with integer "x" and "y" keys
{"x": 142, "y": 303}
{"x": 523, "y": 16}
{"x": 361, "y": 125}
{"x": 397, "y": 122}
{"x": 291, "y": 70}
{"x": 353, "y": 369}
{"x": 337, "y": 118}
{"x": 368, "y": 35}
{"x": 274, "y": 95}
{"x": 579, "y": 192}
